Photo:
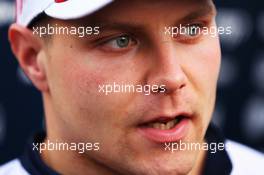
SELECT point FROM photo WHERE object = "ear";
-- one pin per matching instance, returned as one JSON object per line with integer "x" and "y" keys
{"x": 29, "y": 51}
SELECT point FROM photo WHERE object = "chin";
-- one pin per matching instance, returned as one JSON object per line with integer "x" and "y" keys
{"x": 164, "y": 169}
{"x": 169, "y": 164}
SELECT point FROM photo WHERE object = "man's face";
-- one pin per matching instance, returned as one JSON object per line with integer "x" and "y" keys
{"x": 133, "y": 49}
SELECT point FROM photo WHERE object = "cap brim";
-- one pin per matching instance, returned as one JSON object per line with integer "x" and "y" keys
{"x": 74, "y": 9}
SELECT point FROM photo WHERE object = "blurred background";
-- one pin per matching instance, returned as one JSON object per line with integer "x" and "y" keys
{"x": 240, "y": 100}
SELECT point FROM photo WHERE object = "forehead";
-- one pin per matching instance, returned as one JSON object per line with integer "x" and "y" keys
{"x": 148, "y": 10}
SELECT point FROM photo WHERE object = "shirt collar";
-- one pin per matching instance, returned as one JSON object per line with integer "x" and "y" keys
{"x": 217, "y": 163}
{"x": 31, "y": 159}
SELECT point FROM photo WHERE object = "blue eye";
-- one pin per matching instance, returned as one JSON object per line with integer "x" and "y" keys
{"x": 120, "y": 42}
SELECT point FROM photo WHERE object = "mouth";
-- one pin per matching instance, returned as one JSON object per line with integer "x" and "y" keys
{"x": 166, "y": 129}
{"x": 165, "y": 123}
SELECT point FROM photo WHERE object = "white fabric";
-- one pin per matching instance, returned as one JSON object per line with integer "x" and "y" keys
{"x": 30, "y": 9}
{"x": 73, "y": 9}
{"x": 245, "y": 161}
{"x": 27, "y": 10}
{"x": 13, "y": 167}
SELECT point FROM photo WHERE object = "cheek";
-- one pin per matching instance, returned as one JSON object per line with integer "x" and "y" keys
{"x": 206, "y": 65}
{"x": 73, "y": 84}
{"x": 202, "y": 71}
{"x": 212, "y": 62}
{"x": 81, "y": 84}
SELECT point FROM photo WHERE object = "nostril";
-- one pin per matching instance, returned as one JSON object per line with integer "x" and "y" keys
{"x": 163, "y": 89}
{"x": 182, "y": 86}
{"x": 171, "y": 91}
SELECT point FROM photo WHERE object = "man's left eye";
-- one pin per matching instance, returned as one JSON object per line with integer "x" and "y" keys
{"x": 190, "y": 33}
{"x": 192, "y": 30}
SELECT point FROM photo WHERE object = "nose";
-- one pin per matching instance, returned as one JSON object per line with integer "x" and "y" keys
{"x": 167, "y": 70}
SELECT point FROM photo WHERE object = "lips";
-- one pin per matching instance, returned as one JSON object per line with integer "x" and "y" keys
{"x": 166, "y": 129}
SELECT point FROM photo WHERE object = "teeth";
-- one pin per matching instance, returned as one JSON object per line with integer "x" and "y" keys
{"x": 170, "y": 124}
{"x": 162, "y": 126}
{"x": 157, "y": 125}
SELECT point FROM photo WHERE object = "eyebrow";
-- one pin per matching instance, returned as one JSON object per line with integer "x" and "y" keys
{"x": 110, "y": 24}
{"x": 123, "y": 26}
{"x": 207, "y": 10}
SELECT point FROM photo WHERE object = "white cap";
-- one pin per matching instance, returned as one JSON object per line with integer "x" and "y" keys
{"x": 27, "y": 10}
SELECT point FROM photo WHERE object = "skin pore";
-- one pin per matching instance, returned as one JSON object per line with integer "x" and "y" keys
{"x": 68, "y": 70}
